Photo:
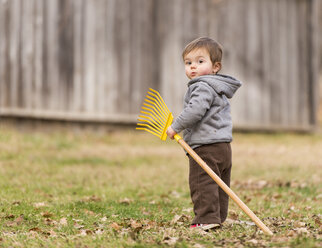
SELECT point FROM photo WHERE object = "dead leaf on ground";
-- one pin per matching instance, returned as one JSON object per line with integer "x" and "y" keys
{"x": 298, "y": 224}
{"x": 302, "y": 230}
{"x": 46, "y": 214}
{"x": 35, "y": 229}
{"x": 78, "y": 226}
{"x": 180, "y": 219}
{"x": 10, "y": 216}
{"x": 99, "y": 231}
{"x": 50, "y": 222}
{"x": 89, "y": 212}
{"x": 16, "y": 203}
{"x": 170, "y": 240}
{"x": 63, "y": 222}
{"x": 126, "y": 201}
{"x": 104, "y": 219}
{"x": 92, "y": 198}
{"x": 39, "y": 204}
{"x": 115, "y": 226}
{"x": 136, "y": 225}
{"x": 233, "y": 215}
{"x": 16, "y": 222}
{"x": 86, "y": 232}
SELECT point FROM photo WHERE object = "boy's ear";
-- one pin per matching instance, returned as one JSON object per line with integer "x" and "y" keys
{"x": 216, "y": 67}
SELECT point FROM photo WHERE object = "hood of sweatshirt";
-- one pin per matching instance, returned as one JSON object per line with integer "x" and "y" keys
{"x": 222, "y": 84}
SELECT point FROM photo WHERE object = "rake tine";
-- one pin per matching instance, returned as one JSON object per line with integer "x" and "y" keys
{"x": 148, "y": 128}
{"x": 156, "y": 111}
{"x": 153, "y": 114}
{"x": 147, "y": 118}
{"x": 152, "y": 118}
{"x": 160, "y": 98}
{"x": 156, "y": 104}
{"x": 150, "y": 125}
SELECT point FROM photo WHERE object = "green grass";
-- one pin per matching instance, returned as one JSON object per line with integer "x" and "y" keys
{"x": 128, "y": 189}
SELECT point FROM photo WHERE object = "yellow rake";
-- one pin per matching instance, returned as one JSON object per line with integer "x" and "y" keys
{"x": 157, "y": 118}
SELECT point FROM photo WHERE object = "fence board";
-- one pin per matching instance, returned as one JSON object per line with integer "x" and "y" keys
{"x": 94, "y": 60}
{"x": 3, "y": 49}
{"x": 111, "y": 57}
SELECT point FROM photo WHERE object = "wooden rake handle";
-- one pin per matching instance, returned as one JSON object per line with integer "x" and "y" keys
{"x": 222, "y": 185}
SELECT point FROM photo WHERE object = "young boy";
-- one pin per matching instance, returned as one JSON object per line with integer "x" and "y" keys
{"x": 207, "y": 126}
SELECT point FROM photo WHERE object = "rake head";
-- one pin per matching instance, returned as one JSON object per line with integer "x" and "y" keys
{"x": 155, "y": 116}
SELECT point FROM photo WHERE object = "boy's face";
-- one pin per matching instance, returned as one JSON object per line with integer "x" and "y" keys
{"x": 198, "y": 63}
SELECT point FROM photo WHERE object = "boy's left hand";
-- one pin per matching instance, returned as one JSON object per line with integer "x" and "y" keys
{"x": 171, "y": 133}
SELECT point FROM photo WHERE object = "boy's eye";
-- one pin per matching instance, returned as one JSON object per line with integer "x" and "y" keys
{"x": 188, "y": 63}
{"x": 200, "y": 61}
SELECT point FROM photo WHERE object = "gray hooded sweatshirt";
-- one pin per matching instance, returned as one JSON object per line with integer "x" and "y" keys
{"x": 206, "y": 118}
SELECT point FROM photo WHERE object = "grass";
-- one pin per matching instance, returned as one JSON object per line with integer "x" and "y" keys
{"x": 128, "y": 189}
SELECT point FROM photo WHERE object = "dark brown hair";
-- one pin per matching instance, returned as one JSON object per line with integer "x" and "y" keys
{"x": 214, "y": 48}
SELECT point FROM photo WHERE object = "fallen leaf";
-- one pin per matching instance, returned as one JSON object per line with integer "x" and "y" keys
{"x": 39, "y": 204}
{"x": 50, "y": 222}
{"x": 136, "y": 225}
{"x": 78, "y": 226}
{"x": 99, "y": 231}
{"x": 86, "y": 232}
{"x": 104, "y": 219}
{"x": 63, "y": 221}
{"x": 233, "y": 215}
{"x": 89, "y": 212}
{"x": 35, "y": 229}
{"x": 170, "y": 240}
{"x": 19, "y": 220}
{"x": 50, "y": 233}
{"x": 46, "y": 214}
{"x": 198, "y": 246}
{"x": 299, "y": 224}
{"x": 253, "y": 242}
{"x": 10, "y": 216}
{"x": 280, "y": 239}
{"x": 83, "y": 233}
{"x": 187, "y": 210}
{"x": 180, "y": 219}
{"x": 126, "y": 201}
{"x": 92, "y": 198}
{"x": 302, "y": 230}
{"x": 115, "y": 226}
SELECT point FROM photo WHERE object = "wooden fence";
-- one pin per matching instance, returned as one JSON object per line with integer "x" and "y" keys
{"x": 94, "y": 60}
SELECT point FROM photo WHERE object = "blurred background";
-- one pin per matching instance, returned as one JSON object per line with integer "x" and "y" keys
{"x": 85, "y": 61}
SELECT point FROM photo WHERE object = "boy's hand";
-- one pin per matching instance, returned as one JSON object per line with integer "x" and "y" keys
{"x": 171, "y": 133}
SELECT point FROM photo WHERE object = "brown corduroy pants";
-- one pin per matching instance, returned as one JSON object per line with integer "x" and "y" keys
{"x": 210, "y": 202}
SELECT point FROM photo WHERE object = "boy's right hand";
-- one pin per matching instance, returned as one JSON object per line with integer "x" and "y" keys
{"x": 171, "y": 133}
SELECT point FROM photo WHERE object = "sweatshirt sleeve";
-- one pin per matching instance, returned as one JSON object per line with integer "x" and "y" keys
{"x": 201, "y": 99}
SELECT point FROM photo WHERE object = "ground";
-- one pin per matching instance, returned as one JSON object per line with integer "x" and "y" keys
{"x": 129, "y": 189}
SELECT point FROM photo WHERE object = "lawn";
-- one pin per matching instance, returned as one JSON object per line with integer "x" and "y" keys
{"x": 129, "y": 189}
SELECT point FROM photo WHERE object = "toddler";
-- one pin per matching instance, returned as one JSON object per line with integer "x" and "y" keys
{"x": 207, "y": 125}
